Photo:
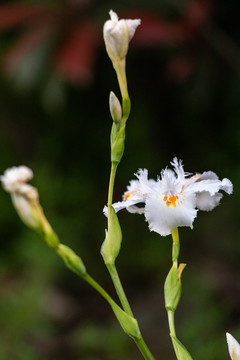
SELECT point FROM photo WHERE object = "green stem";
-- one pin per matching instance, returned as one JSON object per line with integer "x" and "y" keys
{"x": 111, "y": 267}
{"x": 111, "y": 182}
{"x": 98, "y": 287}
{"x": 171, "y": 322}
{"x": 120, "y": 68}
{"x": 175, "y": 245}
{"x": 139, "y": 342}
{"x": 144, "y": 349}
{"x": 119, "y": 288}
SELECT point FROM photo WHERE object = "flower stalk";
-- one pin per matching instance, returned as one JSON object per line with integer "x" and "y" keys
{"x": 111, "y": 182}
{"x": 117, "y": 35}
{"x": 175, "y": 245}
{"x": 172, "y": 293}
{"x": 119, "y": 288}
{"x": 120, "y": 68}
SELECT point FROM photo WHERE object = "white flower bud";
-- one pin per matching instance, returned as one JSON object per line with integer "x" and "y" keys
{"x": 25, "y": 201}
{"x": 14, "y": 177}
{"x": 233, "y": 347}
{"x": 115, "y": 108}
{"x": 117, "y": 35}
{"x": 25, "y": 197}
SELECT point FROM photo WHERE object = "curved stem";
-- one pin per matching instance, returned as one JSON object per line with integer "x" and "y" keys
{"x": 144, "y": 349}
{"x": 119, "y": 289}
{"x": 139, "y": 342}
{"x": 97, "y": 287}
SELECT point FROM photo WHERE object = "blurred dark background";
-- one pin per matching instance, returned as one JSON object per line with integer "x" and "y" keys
{"x": 183, "y": 72}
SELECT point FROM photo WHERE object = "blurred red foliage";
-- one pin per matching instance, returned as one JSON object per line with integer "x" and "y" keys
{"x": 76, "y": 36}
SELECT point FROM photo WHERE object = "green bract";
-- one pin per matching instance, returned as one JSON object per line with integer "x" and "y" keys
{"x": 72, "y": 260}
{"x": 127, "y": 322}
{"x": 173, "y": 287}
{"x": 112, "y": 243}
{"x": 180, "y": 350}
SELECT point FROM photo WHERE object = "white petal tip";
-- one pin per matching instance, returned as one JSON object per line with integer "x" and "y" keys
{"x": 113, "y": 15}
{"x": 105, "y": 211}
{"x": 15, "y": 177}
{"x": 233, "y": 347}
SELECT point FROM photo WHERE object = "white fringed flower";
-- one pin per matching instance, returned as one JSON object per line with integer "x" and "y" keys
{"x": 233, "y": 347}
{"x": 174, "y": 199}
{"x": 117, "y": 35}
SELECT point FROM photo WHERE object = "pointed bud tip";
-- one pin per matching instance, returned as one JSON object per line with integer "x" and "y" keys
{"x": 233, "y": 347}
{"x": 113, "y": 15}
{"x": 115, "y": 107}
{"x": 180, "y": 269}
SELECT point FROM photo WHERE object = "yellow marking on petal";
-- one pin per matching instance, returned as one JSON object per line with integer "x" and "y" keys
{"x": 171, "y": 200}
{"x": 234, "y": 354}
{"x": 195, "y": 176}
{"x": 128, "y": 194}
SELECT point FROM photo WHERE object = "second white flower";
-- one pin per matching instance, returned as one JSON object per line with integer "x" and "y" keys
{"x": 174, "y": 199}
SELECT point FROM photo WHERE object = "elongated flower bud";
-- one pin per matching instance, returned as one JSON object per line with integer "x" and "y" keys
{"x": 115, "y": 108}
{"x": 117, "y": 35}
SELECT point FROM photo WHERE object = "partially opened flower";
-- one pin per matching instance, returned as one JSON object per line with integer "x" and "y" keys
{"x": 14, "y": 178}
{"x": 233, "y": 347}
{"x": 24, "y": 196}
{"x": 174, "y": 199}
{"x": 117, "y": 35}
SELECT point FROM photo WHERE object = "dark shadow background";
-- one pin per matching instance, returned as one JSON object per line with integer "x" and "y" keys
{"x": 183, "y": 72}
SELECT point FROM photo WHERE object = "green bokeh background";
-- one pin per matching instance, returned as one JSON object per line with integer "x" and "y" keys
{"x": 46, "y": 312}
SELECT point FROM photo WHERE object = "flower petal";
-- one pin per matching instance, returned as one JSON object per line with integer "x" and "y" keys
{"x": 136, "y": 193}
{"x": 128, "y": 204}
{"x": 163, "y": 217}
{"x": 210, "y": 185}
{"x": 132, "y": 25}
{"x": 207, "y": 202}
{"x": 233, "y": 347}
{"x": 117, "y": 35}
